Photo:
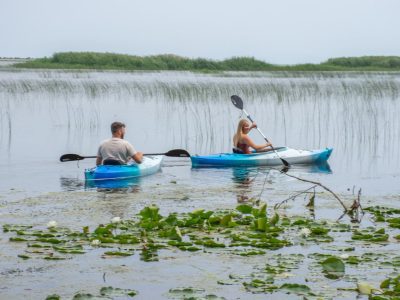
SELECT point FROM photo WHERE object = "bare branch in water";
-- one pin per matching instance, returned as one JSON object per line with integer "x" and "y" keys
{"x": 319, "y": 184}
{"x": 293, "y": 197}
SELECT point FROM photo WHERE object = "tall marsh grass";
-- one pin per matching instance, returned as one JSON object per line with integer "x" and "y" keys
{"x": 354, "y": 112}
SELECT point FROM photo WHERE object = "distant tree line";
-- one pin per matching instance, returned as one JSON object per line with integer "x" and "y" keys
{"x": 113, "y": 61}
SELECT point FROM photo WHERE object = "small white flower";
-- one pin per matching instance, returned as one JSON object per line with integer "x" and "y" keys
{"x": 305, "y": 232}
{"x": 52, "y": 224}
{"x": 364, "y": 288}
{"x": 115, "y": 220}
{"x": 95, "y": 243}
{"x": 344, "y": 256}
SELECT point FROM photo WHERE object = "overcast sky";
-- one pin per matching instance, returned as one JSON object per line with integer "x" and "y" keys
{"x": 276, "y": 31}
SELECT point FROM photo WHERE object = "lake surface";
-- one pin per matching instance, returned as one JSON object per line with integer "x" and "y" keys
{"x": 46, "y": 113}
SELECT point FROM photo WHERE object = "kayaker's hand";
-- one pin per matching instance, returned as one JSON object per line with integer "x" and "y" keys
{"x": 254, "y": 125}
{"x": 138, "y": 157}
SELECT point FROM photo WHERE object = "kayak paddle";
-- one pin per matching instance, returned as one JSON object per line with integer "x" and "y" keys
{"x": 238, "y": 103}
{"x": 171, "y": 153}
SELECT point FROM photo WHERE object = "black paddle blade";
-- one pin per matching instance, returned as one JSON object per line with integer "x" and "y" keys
{"x": 70, "y": 157}
{"x": 177, "y": 153}
{"x": 237, "y": 101}
{"x": 285, "y": 162}
{"x": 285, "y": 169}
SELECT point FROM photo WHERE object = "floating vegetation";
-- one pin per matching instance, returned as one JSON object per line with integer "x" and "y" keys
{"x": 371, "y": 235}
{"x": 390, "y": 288}
{"x": 53, "y": 297}
{"x": 191, "y": 293}
{"x": 333, "y": 267}
{"x": 108, "y": 292}
{"x": 248, "y": 231}
{"x": 112, "y": 292}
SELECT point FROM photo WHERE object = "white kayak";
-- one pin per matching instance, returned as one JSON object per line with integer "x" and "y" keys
{"x": 270, "y": 158}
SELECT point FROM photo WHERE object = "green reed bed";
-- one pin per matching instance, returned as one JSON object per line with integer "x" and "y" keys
{"x": 303, "y": 256}
{"x": 113, "y": 61}
{"x": 178, "y": 87}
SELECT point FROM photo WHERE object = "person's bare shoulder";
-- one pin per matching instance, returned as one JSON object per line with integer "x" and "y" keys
{"x": 246, "y": 138}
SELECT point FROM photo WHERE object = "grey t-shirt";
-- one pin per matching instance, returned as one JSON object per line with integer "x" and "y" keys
{"x": 117, "y": 149}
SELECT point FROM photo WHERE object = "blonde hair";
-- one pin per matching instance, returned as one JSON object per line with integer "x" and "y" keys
{"x": 239, "y": 132}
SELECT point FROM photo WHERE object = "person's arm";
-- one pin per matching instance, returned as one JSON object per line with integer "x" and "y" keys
{"x": 99, "y": 158}
{"x": 253, "y": 125}
{"x": 250, "y": 142}
{"x": 138, "y": 157}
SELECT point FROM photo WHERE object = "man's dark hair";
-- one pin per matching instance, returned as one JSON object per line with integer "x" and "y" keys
{"x": 115, "y": 126}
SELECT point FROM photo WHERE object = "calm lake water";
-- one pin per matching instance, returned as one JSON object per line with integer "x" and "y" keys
{"x": 44, "y": 114}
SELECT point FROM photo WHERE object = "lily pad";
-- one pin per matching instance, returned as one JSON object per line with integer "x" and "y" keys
{"x": 333, "y": 267}
{"x": 244, "y": 208}
{"x": 115, "y": 292}
{"x": 53, "y": 297}
{"x": 295, "y": 288}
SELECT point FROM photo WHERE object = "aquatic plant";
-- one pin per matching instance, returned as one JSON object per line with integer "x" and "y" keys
{"x": 247, "y": 231}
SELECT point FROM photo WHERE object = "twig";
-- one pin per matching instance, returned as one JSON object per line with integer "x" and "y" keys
{"x": 319, "y": 184}
{"x": 292, "y": 197}
{"x": 358, "y": 200}
{"x": 265, "y": 180}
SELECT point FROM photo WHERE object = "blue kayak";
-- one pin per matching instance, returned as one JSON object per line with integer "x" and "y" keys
{"x": 150, "y": 165}
{"x": 292, "y": 156}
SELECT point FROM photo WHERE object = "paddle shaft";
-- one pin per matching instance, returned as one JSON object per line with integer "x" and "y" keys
{"x": 172, "y": 153}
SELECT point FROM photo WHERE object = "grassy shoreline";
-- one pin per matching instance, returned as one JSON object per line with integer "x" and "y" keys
{"x": 112, "y": 61}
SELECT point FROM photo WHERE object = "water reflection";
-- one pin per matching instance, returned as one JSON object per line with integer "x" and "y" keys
{"x": 71, "y": 184}
{"x": 114, "y": 185}
{"x": 323, "y": 168}
{"x": 131, "y": 185}
{"x": 243, "y": 178}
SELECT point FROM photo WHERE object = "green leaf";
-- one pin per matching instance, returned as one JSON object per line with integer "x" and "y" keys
{"x": 118, "y": 253}
{"x": 53, "y": 297}
{"x": 226, "y": 220}
{"x": 261, "y": 223}
{"x": 103, "y": 231}
{"x": 274, "y": 220}
{"x": 295, "y": 288}
{"x": 85, "y": 229}
{"x": 197, "y": 212}
{"x": 176, "y": 234}
{"x": 116, "y": 292}
{"x": 385, "y": 284}
{"x": 311, "y": 202}
{"x": 319, "y": 230}
{"x": 263, "y": 210}
{"x": 80, "y": 296}
{"x": 150, "y": 212}
{"x": 244, "y": 208}
{"x": 333, "y": 267}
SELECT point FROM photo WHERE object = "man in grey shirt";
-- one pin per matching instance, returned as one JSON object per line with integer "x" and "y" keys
{"x": 117, "y": 151}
